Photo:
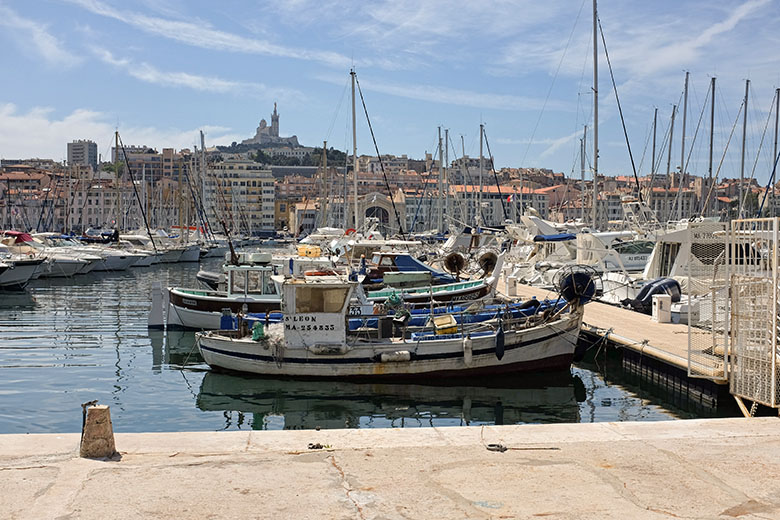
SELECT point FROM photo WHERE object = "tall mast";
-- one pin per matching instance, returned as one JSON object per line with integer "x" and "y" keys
{"x": 595, "y": 113}
{"x": 655, "y": 125}
{"x": 446, "y": 172}
{"x": 744, "y": 136}
{"x": 439, "y": 205}
{"x": 469, "y": 192}
{"x": 324, "y": 193}
{"x": 354, "y": 151}
{"x": 712, "y": 137}
{"x": 671, "y": 137}
{"x": 118, "y": 181}
{"x": 684, "y": 122}
{"x": 203, "y": 186}
{"x": 481, "y": 167}
{"x": 774, "y": 155}
{"x": 583, "y": 142}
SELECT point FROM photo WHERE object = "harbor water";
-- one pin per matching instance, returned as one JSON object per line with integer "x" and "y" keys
{"x": 64, "y": 342}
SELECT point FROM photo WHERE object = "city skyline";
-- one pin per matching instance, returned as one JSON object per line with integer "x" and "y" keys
{"x": 161, "y": 71}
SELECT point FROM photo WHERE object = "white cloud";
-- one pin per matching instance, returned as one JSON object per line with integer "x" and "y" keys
{"x": 31, "y": 35}
{"x": 150, "y": 74}
{"x": 37, "y": 133}
{"x": 204, "y": 36}
{"x": 452, "y": 96}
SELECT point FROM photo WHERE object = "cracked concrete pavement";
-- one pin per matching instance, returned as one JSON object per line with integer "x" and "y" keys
{"x": 708, "y": 468}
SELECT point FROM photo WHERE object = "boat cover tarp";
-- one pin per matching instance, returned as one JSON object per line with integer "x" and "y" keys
{"x": 409, "y": 263}
{"x": 560, "y": 237}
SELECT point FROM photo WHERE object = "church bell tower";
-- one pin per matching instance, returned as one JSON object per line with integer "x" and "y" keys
{"x": 275, "y": 123}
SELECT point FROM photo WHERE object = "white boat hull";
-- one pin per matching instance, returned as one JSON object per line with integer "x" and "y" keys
{"x": 64, "y": 267}
{"x": 547, "y": 346}
{"x": 190, "y": 254}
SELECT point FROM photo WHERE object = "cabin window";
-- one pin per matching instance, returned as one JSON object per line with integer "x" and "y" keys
{"x": 386, "y": 260}
{"x": 635, "y": 248}
{"x": 320, "y": 299}
{"x": 669, "y": 252}
{"x": 259, "y": 282}
{"x": 237, "y": 281}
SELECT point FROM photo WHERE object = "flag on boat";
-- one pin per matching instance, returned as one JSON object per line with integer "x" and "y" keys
{"x": 511, "y": 198}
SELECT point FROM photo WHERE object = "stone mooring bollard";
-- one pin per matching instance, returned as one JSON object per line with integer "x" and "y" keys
{"x": 97, "y": 434}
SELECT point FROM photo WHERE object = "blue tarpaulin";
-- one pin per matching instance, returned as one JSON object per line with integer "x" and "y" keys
{"x": 560, "y": 237}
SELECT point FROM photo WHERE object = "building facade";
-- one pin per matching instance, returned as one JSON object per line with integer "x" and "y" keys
{"x": 83, "y": 152}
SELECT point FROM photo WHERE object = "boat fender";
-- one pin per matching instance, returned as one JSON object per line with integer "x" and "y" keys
{"x": 324, "y": 349}
{"x": 500, "y": 343}
{"x": 395, "y": 357}
{"x": 467, "y": 350}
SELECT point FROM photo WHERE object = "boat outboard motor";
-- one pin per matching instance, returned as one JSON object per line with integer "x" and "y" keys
{"x": 644, "y": 301}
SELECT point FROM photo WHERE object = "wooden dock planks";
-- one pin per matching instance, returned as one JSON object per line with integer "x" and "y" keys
{"x": 667, "y": 342}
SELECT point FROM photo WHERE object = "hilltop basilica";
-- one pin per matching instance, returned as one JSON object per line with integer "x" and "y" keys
{"x": 269, "y": 135}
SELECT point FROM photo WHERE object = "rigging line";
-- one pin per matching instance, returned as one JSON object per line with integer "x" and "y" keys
{"x": 552, "y": 83}
{"x": 336, "y": 112}
{"x": 196, "y": 201}
{"x": 45, "y": 199}
{"x": 471, "y": 183}
{"x": 460, "y": 204}
{"x": 678, "y": 210}
{"x": 135, "y": 189}
{"x": 420, "y": 200}
{"x": 495, "y": 176}
{"x": 769, "y": 183}
{"x": 381, "y": 164}
{"x": 620, "y": 109}
{"x": 758, "y": 154}
{"x": 723, "y": 157}
{"x": 659, "y": 156}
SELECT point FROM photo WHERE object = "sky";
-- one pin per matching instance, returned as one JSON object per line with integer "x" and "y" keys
{"x": 161, "y": 70}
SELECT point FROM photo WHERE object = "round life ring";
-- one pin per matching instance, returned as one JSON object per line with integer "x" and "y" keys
{"x": 350, "y": 231}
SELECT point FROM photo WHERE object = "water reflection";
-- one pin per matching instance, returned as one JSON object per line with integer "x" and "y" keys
{"x": 17, "y": 300}
{"x": 174, "y": 348}
{"x": 261, "y": 403}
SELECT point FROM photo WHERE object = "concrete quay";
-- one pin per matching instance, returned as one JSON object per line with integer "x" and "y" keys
{"x": 708, "y": 468}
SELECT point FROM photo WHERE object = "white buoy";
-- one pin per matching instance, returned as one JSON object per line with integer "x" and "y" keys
{"x": 467, "y": 350}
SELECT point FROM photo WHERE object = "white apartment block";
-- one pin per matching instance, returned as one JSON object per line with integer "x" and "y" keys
{"x": 242, "y": 193}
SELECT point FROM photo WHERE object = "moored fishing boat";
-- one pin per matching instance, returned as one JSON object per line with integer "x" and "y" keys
{"x": 312, "y": 340}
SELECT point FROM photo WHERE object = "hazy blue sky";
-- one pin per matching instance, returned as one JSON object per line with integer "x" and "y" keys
{"x": 161, "y": 70}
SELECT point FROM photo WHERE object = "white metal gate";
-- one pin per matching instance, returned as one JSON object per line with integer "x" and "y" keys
{"x": 706, "y": 290}
{"x": 753, "y": 267}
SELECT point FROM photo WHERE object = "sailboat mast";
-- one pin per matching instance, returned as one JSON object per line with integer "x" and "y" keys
{"x": 469, "y": 193}
{"x": 481, "y": 168}
{"x": 446, "y": 171}
{"x": 583, "y": 144}
{"x": 655, "y": 126}
{"x": 595, "y": 113}
{"x": 118, "y": 182}
{"x": 774, "y": 155}
{"x": 671, "y": 138}
{"x": 325, "y": 178}
{"x": 440, "y": 205}
{"x": 684, "y": 123}
{"x": 354, "y": 151}
{"x": 744, "y": 138}
{"x": 712, "y": 138}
